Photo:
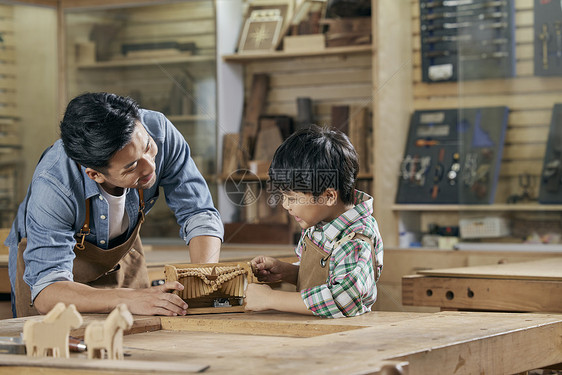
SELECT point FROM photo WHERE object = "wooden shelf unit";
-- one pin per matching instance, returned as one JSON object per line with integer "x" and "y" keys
{"x": 333, "y": 76}
{"x": 127, "y": 63}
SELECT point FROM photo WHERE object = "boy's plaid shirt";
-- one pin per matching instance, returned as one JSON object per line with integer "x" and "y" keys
{"x": 350, "y": 289}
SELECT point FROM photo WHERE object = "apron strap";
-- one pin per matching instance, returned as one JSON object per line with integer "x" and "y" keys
{"x": 85, "y": 230}
{"x": 360, "y": 236}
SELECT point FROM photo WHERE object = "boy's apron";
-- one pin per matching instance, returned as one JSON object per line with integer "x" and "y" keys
{"x": 121, "y": 266}
{"x": 314, "y": 267}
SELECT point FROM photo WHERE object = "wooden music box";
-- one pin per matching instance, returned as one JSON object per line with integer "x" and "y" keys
{"x": 212, "y": 287}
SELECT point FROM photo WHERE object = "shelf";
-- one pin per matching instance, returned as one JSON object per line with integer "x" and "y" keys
{"x": 146, "y": 62}
{"x": 248, "y": 57}
{"x": 477, "y": 207}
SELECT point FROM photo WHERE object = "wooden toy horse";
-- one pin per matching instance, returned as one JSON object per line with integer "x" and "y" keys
{"x": 50, "y": 335}
{"x": 106, "y": 338}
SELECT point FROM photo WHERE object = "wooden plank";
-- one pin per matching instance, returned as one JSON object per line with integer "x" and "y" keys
{"x": 8, "y": 111}
{"x": 542, "y": 269}
{"x": 48, "y": 3}
{"x": 7, "y": 26}
{"x": 353, "y": 91}
{"x": 310, "y": 64}
{"x": 167, "y": 30}
{"x": 7, "y": 98}
{"x": 8, "y": 55}
{"x": 6, "y": 11}
{"x": 8, "y": 84}
{"x": 254, "y": 108}
{"x": 542, "y": 101}
{"x": 290, "y": 329}
{"x": 191, "y": 10}
{"x": 523, "y": 151}
{"x": 139, "y": 367}
{"x": 348, "y": 51}
{"x": 7, "y": 70}
{"x": 320, "y": 106}
{"x": 321, "y": 78}
{"x": 535, "y": 134}
{"x": 482, "y": 293}
{"x": 516, "y": 86}
{"x": 530, "y": 118}
{"x": 532, "y": 167}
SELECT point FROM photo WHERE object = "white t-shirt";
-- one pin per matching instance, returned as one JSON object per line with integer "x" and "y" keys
{"x": 118, "y": 218}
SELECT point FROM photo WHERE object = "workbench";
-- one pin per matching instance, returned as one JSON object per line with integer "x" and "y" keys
{"x": 278, "y": 343}
{"x": 532, "y": 286}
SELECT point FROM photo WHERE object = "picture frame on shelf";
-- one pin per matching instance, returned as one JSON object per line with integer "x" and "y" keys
{"x": 261, "y": 31}
{"x": 286, "y": 9}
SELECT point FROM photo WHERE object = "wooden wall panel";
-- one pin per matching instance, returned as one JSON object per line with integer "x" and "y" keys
{"x": 7, "y": 63}
{"x": 328, "y": 80}
{"x": 529, "y": 98}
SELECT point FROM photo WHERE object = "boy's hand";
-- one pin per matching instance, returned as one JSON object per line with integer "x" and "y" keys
{"x": 258, "y": 297}
{"x": 267, "y": 269}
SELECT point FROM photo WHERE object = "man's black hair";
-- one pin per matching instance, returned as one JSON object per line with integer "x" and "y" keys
{"x": 314, "y": 159}
{"x": 97, "y": 125}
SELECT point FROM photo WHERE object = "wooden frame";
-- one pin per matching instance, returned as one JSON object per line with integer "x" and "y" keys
{"x": 212, "y": 287}
{"x": 261, "y": 31}
{"x": 285, "y": 7}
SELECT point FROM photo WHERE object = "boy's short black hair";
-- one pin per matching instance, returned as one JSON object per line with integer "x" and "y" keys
{"x": 314, "y": 159}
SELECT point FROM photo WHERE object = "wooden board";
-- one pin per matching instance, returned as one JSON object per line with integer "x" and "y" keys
{"x": 447, "y": 343}
{"x": 543, "y": 269}
{"x": 482, "y": 293}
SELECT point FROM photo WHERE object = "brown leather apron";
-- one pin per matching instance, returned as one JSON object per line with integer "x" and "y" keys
{"x": 314, "y": 267}
{"x": 122, "y": 266}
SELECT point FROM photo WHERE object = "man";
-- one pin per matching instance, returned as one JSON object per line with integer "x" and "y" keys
{"x": 76, "y": 235}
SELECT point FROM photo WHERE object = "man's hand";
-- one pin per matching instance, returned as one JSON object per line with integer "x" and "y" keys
{"x": 156, "y": 300}
{"x": 267, "y": 269}
{"x": 258, "y": 297}
{"x": 149, "y": 301}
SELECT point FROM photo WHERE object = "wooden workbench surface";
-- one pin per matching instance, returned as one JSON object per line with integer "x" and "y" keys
{"x": 542, "y": 269}
{"x": 275, "y": 343}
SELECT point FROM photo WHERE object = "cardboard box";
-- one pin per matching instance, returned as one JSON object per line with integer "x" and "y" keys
{"x": 300, "y": 43}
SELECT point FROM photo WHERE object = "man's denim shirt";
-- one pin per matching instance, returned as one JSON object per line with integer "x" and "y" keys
{"x": 56, "y": 206}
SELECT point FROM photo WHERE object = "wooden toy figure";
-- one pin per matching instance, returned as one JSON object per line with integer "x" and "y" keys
{"x": 106, "y": 338}
{"x": 50, "y": 335}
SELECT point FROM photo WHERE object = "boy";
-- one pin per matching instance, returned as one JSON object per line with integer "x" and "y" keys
{"x": 340, "y": 249}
